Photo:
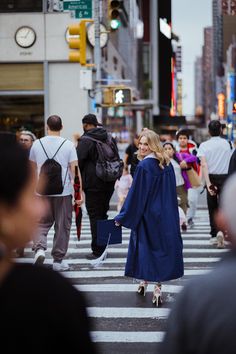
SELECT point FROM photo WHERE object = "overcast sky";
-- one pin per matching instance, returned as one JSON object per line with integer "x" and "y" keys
{"x": 189, "y": 17}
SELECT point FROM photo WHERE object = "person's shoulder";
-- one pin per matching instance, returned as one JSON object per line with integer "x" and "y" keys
{"x": 149, "y": 165}
{"x": 69, "y": 144}
{"x": 224, "y": 274}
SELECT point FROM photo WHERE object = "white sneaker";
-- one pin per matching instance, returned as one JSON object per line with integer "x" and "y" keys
{"x": 60, "y": 267}
{"x": 213, "y": 241}
{"x": 220, "y": 240}
{"x": 39, "y": 257}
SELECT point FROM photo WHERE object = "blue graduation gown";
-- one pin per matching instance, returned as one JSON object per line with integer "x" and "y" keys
{"x": 151, "y": 212}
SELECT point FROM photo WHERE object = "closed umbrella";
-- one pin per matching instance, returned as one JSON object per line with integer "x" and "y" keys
{"x": 77, "y": 208}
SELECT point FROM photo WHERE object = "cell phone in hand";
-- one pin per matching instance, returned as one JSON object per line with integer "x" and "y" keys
{"x": 213, "y": 188}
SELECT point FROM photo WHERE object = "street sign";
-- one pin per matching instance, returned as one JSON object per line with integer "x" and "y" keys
{"x": 81, "y": 8}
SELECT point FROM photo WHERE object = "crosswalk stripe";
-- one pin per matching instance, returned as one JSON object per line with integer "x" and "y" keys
{"x": 113, "y": 250}
{"x": 125, "y": 241}
{"x": 128, "y": 312}
{"x": 124, "y": 288}
{"x": 127, "y": 337}
{"x": 117, "y": 273}
{"x": 121, "y": 261}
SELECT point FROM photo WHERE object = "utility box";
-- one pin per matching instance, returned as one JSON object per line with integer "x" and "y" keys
{"x": 86, "y": 82}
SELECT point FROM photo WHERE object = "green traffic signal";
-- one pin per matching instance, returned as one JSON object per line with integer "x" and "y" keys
{"x": 114, "y": 24}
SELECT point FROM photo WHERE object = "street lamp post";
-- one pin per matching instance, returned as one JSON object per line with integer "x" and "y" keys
{"x": 97, "y": 57}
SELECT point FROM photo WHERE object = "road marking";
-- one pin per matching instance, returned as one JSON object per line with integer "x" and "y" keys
{"x": 125, "y": 288}
{"x": 127, "y": 337}
{"x": 120, "y": 261}
{"x": 128, "y": 312}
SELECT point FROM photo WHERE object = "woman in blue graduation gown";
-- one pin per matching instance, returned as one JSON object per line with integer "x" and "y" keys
{"x": 151, "y": 212}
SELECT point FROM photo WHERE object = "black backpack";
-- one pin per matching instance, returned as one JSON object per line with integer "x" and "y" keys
{"x": 50, "y": 176}
{"x": 109, "y": 166}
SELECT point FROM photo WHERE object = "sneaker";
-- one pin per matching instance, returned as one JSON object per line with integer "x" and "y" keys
{"x": 92, "y": 255}
{"x": 213, "y": 241}
{"x": 60, "y": 267}
{"x": 190, "y": 222}
{"x": 220, "y": 240}
{"x": 39, "y": 257}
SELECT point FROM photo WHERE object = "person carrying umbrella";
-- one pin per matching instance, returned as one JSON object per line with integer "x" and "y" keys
{"x": 78, "y": 201}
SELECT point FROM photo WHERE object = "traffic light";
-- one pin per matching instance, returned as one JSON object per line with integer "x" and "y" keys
{"x": 77, "y": 41}
{"x": 114, "y": 13}
{"x": 117, "y": 96}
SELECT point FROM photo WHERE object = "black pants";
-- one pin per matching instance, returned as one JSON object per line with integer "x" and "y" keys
{"x": 213, "y": 200}
{"x": 97, "y": 204}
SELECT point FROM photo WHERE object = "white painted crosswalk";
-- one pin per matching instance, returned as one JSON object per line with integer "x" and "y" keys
{"x": 119, "y": 315}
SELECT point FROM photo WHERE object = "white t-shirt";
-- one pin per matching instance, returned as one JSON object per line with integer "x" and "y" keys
{"x": 178, "y": 174}
{"x": 65, "y": 155}
{"x": 217, "y": 152}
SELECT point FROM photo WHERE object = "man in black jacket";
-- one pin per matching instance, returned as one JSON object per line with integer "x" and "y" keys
{"x": 203, "y": 319}
{"x": 97, "y": 192}
{"x": 232, "y": 164}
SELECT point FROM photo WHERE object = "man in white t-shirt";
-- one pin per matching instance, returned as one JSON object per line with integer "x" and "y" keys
{"x": 59, "y": 212}
{"x": 215, "y": 156}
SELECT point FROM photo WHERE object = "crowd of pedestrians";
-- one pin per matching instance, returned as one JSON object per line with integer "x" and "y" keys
{"x": 156, "y": 183}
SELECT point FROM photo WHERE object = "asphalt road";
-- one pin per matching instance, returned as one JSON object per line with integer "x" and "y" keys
{"x": 122, "y": 320}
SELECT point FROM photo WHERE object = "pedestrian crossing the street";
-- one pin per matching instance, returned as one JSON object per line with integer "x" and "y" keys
{"x": 122, "y": 320}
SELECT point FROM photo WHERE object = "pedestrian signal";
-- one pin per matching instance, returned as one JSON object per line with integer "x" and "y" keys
{"x": 117, "y": 96}
{"x": 122, "y": 96}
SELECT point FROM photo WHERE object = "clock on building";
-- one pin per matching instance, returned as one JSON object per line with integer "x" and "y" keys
{"x": 25, "y": 37}
{"x": 103, "y": 35}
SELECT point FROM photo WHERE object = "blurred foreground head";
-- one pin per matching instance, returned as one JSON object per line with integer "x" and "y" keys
{"x": 226, "y": 218}
{"x": 19, "y": 207}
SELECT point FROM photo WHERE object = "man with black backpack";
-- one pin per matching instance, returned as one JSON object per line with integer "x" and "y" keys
{"x": 55, "y": 159}
{"x": 100, "y": 167}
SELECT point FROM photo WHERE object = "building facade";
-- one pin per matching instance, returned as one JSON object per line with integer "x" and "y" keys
{"x": 207, "y": 59}
{"x": 198, "y": 86}
{"x": 38, "y": 80}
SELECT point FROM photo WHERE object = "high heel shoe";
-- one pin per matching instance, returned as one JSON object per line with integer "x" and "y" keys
{"x": 142, "y": 288}
{"x": 157, "y": 295}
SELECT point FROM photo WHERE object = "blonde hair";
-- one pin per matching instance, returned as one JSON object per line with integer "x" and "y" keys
{"x": 154, "y": 144}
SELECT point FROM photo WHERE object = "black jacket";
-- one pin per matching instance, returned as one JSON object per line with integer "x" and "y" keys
{"x": 203, "y": 319}
{"x": 87, "y": 157}
{"x": 232, "y": 164}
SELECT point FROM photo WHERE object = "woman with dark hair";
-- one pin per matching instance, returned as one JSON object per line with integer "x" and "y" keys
{"x": 38, "y": 306}
{"x": 181, "y": 182}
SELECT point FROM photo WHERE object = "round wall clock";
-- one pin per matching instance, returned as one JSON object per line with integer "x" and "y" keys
{"x": 25, "y": 37}
{"x": 103, "y": 35}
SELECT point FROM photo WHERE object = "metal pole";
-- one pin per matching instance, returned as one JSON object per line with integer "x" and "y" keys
{"x": 155, "y": 63}
{"x": 97, "y": 55}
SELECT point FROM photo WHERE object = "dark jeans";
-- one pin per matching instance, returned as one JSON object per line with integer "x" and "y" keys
{"x": 213, "y": 200}
{"x": 97, "y": 204}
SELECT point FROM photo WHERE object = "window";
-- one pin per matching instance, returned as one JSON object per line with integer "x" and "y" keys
{"x": 21, "y": 5}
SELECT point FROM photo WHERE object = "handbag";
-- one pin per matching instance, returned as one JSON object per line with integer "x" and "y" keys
{"x": 193, "y": 177}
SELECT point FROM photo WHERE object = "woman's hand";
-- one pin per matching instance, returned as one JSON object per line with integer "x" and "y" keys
{"x": 80, "y": 201}
{"x": 117, "y": 223}
{"x": 183, "y": 164}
